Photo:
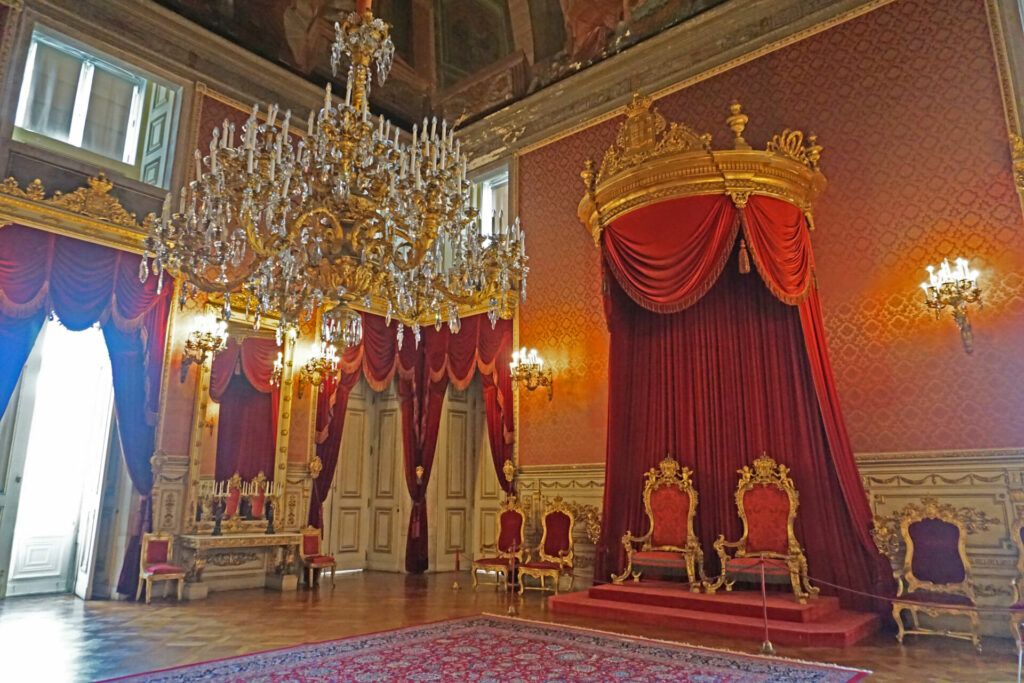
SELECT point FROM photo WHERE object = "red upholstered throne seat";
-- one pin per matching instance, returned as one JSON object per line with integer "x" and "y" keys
{"x": 670, "y": 504}
{"x": 507, "y": 549}
{"x": 766, "y": 501}
{"x": 555, "y": 553}
{"x": 935, "y": 574}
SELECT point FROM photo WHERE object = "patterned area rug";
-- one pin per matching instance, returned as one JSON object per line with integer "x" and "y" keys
{"x": 490, "y": 648}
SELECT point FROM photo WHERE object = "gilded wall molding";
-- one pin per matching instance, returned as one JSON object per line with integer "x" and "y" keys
{"x": 90, "y": 213}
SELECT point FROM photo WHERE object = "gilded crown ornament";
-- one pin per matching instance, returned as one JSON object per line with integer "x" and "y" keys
{"x": 347, "y": 216}
{"x": 653, "y": 160}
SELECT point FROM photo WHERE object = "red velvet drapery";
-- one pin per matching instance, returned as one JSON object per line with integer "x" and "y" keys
{"x": 247, "y": 427}
{"x": 424, "y": 372}
{"x": 714, "y": 367}
{"x": 84, "y": 284}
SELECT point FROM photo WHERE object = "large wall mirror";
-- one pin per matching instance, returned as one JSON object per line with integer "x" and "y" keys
{"x": 239, "y": 433}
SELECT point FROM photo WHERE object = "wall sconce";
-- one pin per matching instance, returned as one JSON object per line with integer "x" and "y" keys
{"x": 528, "y": 369}
{"x": 207, "y": 340}
{"x": 319, "y": 367}
{"x": 954, "y": 287}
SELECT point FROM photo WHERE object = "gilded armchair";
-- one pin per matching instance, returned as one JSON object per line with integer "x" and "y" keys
{"x": 670, "y": 503}
{"x": 155, "y": 564}
{"x": 555, "y": 552}
{"x": 935, "y": 574}
{"x": 313, "y": 559}
{"x": 766, "y": 501}
{"x": 501, "y": 556}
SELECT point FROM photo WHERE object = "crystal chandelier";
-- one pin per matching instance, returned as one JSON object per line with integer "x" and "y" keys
{"x": 348, "y": 216}
{"x": 954, "y": 288}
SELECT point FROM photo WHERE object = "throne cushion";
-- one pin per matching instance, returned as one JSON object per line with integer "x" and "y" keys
{"x": 493, "y": 561}
{"x": 752, "y": 566}
{"x": 557, "y": 539}
{"x": 540, "y": 565}
{"x": 164, "y": 568}
{"x": 319, "y": 560}
{"x": 935, "y": 598}
{"x": 670, "y": 511}
{"x": 310, "y": 544}
{"x": 659, "y": 558}
{"x": 936, "y": 551}
{"x": 767, "y": 512}
{"x": 510, "y": 535}
{"x": 156, "y": 551}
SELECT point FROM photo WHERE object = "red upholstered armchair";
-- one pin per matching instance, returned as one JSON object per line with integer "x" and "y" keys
{"x": 507, "y": 549}
{"x": 155, "y": 564}
{"x": 766, "y": 501}
{"x": 312, "y": 558}
{"x": 555, "y": 552}
{"x": 935, "y": 575}
{"x": 1017, "y": 609}
{"x": 670, "y": 502}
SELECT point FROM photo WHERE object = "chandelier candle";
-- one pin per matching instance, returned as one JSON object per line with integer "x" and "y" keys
{"x": 348, "y": 216}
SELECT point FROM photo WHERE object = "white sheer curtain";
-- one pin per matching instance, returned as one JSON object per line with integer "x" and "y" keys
{"x": 51, "y": 96}
{"x": 110, "y": 106}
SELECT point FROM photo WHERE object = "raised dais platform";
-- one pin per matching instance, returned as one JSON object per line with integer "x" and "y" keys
{"x": 820, "y": 622}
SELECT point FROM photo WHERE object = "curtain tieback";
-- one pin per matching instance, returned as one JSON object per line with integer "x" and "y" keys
{"x": 744, "y": 257}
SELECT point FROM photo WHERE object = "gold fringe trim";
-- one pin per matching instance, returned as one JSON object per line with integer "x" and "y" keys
{"x": 790, "y": 299}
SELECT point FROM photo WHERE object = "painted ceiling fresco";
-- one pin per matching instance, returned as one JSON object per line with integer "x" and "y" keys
{"x": 460, "y": 58}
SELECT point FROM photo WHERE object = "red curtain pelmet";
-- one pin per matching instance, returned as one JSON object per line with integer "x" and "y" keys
{"x": 84, "y": 284}
{"x": 716, "y": 367}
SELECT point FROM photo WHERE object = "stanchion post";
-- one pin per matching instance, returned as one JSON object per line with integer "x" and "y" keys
{"x": 766, "y": 647}
{"x": 455, "y": 583}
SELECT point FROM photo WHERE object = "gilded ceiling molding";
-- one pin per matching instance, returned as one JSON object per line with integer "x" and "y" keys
{"x": 90, "y": 213}
{"x": 652, "y": 160}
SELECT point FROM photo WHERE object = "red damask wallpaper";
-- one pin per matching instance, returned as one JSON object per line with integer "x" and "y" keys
{"x": 906, "y": 101}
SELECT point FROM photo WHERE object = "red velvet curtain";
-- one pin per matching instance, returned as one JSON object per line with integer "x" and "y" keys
{"x": 424, "y": 372}
{"x": 247, "y": 427}
{"x": 84, "y": 284}
{"x": 713, "y": 367}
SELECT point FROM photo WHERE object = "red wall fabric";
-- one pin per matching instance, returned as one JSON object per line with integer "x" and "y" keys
{"x": 716, "y": 385}
{"x": 907, "y": 74}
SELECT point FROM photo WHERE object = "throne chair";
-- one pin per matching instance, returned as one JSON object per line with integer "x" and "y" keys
{"x": 555, "y": 552}
{"x": 935, "y": 575}
{"x": 1017, "y": 609}
{"x": 670, "y": 503}
{"x": 313, "y": 559}
{"x": 506, "y": 552}
{"x": 155, "y": 564}
{"x": 766, "y": 501}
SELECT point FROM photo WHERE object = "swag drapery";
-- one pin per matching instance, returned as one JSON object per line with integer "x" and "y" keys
{"x": 83, "y": 284}
{"x": 424, "y": 372}
{"x": 715, "y": 367}
{"x": 247, "y": 428}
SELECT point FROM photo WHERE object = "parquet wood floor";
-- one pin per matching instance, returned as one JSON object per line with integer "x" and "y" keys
{"x": 58, "y": 639}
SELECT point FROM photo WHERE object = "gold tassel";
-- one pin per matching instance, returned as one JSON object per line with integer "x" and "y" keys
{"x": 744, "y": 258}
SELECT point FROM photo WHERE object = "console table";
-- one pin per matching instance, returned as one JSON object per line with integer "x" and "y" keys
{"x": 234, "y": 561}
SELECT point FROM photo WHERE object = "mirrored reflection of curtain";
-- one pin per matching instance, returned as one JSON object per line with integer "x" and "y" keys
{"x": 51, "y": 98}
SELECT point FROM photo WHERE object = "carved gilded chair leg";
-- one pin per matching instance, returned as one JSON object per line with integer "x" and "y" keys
{"x": 522, "y": 586}
{"x": 181, "y": 587}
{"x": 975, "y": 631}
{"x": 628, "y": 571}
{"x": 149, "y": 590}
{"x": 572, "y": 580}
{"x": 138, "y": 593}
{"x": 897, "y": 615}
{"x": 1015, "y": 623}
{"x": 794, "y": 581}
{"x": 915, "y": 619}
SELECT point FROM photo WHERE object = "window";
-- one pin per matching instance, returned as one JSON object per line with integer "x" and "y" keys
{"x": 490, "y": 197}
{"x": 92, "y": 108}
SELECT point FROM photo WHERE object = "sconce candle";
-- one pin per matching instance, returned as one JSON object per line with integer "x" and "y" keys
{"x": 528, "y": 368}
{"x": 953, "y": 286}
{"x": 208, "y": 339}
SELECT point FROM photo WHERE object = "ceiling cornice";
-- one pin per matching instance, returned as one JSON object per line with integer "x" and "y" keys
{"x": 714, "y": 41}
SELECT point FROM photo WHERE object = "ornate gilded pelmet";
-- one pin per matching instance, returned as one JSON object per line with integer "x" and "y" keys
{"x": 91, "y": 212}
{"x": 653, "y": 160}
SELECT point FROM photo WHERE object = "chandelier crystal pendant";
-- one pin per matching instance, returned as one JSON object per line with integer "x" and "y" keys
{"x": 349, "y": 215}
